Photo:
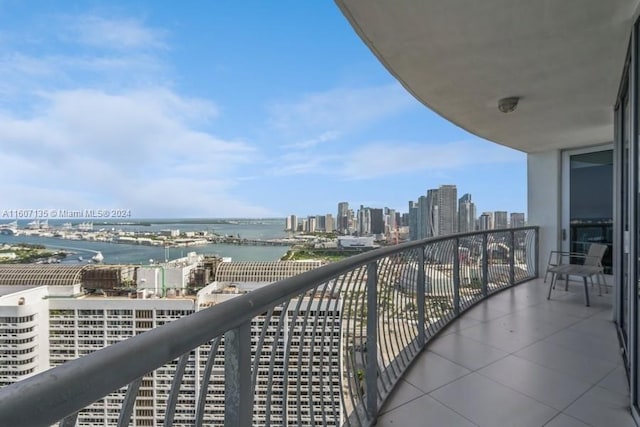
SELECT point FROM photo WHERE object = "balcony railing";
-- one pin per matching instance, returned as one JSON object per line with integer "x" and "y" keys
{"x": 322, "y": 348}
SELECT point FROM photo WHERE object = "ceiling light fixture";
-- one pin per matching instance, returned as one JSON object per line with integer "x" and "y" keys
{"x": 508, "y": 105}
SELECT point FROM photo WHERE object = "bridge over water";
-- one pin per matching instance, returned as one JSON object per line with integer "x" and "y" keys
{"x": 252, "y": 242}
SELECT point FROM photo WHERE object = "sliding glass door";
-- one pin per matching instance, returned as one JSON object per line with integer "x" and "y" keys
{"x": 588, "y": 218}
{"x": 627, "y": 219}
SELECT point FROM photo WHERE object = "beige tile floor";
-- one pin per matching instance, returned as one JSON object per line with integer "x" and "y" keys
{"x": 519, "y": 360}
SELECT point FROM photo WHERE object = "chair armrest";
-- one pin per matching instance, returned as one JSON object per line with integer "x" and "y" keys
{"x": 562, "y": 254}
{"x": 597, "y": 261}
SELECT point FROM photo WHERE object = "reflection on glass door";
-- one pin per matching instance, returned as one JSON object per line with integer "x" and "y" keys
{"x": 591, "y": 202}
{"x": 623, "y": 281}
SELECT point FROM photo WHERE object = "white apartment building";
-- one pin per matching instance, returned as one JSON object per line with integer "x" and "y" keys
{"x": 297, "y": 345}
{"x": 55, "y": 320}
{"x": 23, "y": 332}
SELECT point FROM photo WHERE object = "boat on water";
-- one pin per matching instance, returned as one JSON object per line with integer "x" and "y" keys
{"x": 80, "y": 258}
{"x": 98, "y": 257}
{"x": 85, "y": 226}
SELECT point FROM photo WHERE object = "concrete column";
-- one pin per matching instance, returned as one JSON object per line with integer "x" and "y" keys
{"x": 544, "y": 201}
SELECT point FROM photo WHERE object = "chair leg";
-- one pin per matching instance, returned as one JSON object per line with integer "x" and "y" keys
{"x": 552, "y": 284}
{"x": 586, "y": 290}
{"x": 593, "y": 285}
{"x": 604, "y": 282}
{"x": 566, "y": 283}
{"x": 599, "y": 284}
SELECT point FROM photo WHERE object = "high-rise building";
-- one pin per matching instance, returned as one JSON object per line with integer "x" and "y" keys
{"x": 291, "y": 223}
{"x": 343, "y": 219}
{"x": 517, "y": 219}
{"x": 485, "y": 222}
{"x": 329, "y": 224}
{"x": 321, "y": 223}
{"x": 404, "y": 219}
{"x": 351, "y": 221}
{"x": 390, "y": 221}
{"x": 311, "y": 225}
{"x": 423, "y": 216}
{"x": 466, "y": 214}
{"x": 500, "y": 219}
{"x": 377, "y": 221}
{"x": 413, "y": 220}
{"x": 422, "y": 220}
{"x": 370, "y": 221}
{"x": 433, "y": 214}
{"x": 447, "y": 210}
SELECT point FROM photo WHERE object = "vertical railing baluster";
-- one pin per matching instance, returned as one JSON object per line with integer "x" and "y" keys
{"x": 127, "y": 404}
{"x": 456, "y": 276}
{"x": 536, "y": 251}
{"x": 303, "y": 333}
{"x": 485, "y": 264}
{"x": 420, "y": 290}
{"x": 293, "y": 329}
{"x": 272, "y": 361}
{"x": 204, "y": 383}
{"x": 371, "y": 373}
{"x": 237, "y": 377}
{"x": 172, "y": 399}
{"x": 512, "y": 258}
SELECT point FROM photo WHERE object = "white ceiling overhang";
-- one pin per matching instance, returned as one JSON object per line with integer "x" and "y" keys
{"x": 563, "y": 58}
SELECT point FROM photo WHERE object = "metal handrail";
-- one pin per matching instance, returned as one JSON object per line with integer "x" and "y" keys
{"x": 50, "y": 396}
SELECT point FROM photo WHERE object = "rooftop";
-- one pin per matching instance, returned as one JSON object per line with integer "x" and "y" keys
{"x": 36, "y": 274}
{"x": 7, "y": 290}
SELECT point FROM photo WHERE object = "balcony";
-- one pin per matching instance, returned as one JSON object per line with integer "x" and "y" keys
{"x": 450, "y": 331}
{"x": 518, "y": 359}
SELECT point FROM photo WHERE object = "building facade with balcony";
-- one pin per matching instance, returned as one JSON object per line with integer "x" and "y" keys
{"x": 558, "y": 81}
{"x": 47, "y": 325}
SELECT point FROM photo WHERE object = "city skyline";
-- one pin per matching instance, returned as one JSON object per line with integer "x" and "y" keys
{"x": 438, "y": 213}
{"x": 220, "y": 110}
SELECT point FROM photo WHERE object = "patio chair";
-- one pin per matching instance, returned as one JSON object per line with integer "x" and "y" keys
{"x": 556, "y": 257}
{"x": 589, "y": 265}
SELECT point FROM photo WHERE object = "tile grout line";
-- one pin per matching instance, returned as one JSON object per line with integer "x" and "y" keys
{"x": 535, "y": 306}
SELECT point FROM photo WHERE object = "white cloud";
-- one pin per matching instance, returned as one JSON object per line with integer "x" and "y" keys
{"x": 301, "y": 163}
{"x": 24, "y": 64}
{"x": 376, "y": 160}
{"x": 67, "y": 59}
{"x": 89, "y": 119}
{"x": 141, "y": 150}
{"x": 338, "y": 110}
{"x": 115, "y": 33}
{"x": 394, "y": 158}
{"x": 310, "y": 143}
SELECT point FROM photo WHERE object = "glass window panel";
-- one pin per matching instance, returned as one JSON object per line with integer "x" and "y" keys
{"x": 591, "y": 202}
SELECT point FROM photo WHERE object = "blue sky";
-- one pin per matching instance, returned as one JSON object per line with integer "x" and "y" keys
{"x": 220, "y": 109}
